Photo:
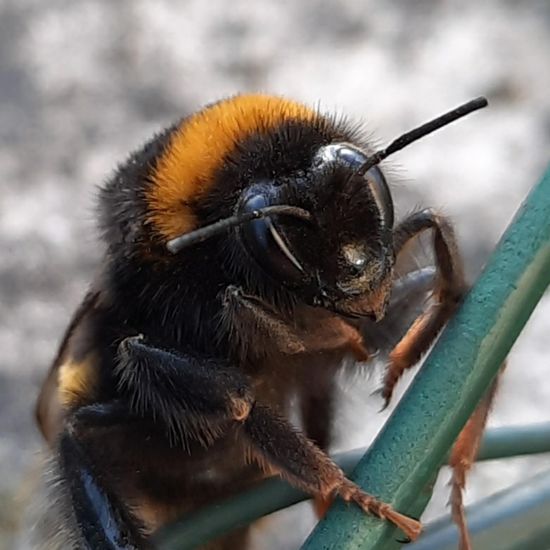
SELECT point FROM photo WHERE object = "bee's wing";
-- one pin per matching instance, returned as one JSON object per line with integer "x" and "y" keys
{"x": 49, "y": 406}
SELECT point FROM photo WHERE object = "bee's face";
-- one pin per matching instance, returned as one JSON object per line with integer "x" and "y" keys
{"x": 342, "y": 259}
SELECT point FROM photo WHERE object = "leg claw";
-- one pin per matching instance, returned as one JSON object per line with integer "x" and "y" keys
{"x": 351, "y": 492}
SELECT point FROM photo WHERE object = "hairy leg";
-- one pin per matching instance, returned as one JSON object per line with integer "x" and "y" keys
{"x": 192, "y": 398}
{"x": 278, "y": 447}
{"x": 310, "y": 330}
{"x": 181, "y": 399}
{"x": 463, "y": 455}
{"x": 449, "y": 290}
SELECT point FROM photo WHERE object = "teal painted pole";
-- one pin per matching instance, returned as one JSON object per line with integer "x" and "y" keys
{"x": 418, "y": 435}
{"x": 514, "y": 519}
{"x": 509, "y": 441}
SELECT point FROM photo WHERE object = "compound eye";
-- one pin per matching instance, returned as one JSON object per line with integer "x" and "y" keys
{"x": 381, "y": 193}
{"x": 267, "y": 246}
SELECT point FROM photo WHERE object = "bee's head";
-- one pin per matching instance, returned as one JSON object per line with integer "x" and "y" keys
{"x": 340, "y": 256}
{"x": 309, "y": 205}
{"x": 298, "y": 197}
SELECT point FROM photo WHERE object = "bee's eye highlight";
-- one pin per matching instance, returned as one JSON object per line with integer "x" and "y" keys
{"x": 266, "y": 245}
{"x": 341, "y": 153}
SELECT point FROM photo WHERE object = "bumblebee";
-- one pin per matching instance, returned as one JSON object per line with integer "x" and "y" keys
{"x": 244, "y": 247}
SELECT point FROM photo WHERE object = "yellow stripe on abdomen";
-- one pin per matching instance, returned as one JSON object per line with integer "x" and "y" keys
{"x": 77, "y": 381}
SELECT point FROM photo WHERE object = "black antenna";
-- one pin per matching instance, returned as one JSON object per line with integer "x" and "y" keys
{"x": 421, "y": 131}
{"x": 203, "y": 233}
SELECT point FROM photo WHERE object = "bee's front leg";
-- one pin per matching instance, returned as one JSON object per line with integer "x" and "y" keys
{"x": 306, "y": 331}
{"x": 248, "y": 318}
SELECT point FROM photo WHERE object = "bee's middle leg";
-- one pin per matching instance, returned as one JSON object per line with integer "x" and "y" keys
{"x": 449, "y": 289}
{"x": 280, "y": 448}
{"x": 192, "y": 398}
{"x": 165, "y": 401}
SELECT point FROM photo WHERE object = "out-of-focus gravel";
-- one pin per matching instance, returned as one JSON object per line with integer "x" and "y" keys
{"x": 83, "y": 83}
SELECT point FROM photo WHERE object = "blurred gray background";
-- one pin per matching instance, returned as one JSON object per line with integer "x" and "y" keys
{"x": 83, "y": 83}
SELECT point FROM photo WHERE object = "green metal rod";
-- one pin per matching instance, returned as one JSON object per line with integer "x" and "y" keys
{"x": 451, "y": 382}
{"x": 511, "y": 441}
{"x": 513, "y": 519}
{"x": 275, "y": 494}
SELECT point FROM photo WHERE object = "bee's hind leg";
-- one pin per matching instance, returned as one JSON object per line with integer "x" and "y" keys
{"x": 463, "y": 456}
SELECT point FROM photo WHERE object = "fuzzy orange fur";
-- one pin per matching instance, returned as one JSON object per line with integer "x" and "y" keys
{"x": 185, "y": 171}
